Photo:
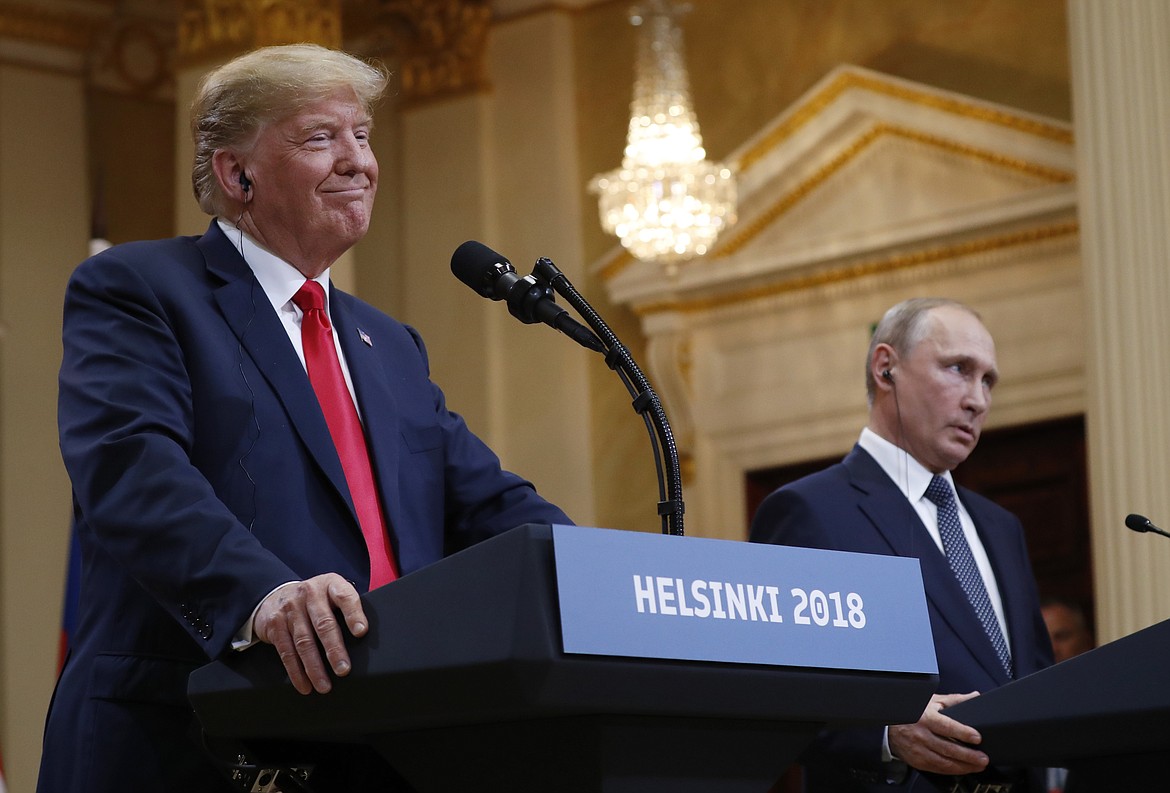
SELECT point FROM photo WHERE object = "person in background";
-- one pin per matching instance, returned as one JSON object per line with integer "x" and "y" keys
{"x": 249, "y": 447}
{"x": 929, "y": 372}
{"x": 1068, "y": 627}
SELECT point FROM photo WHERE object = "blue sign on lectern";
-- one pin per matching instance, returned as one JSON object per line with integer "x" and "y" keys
{"x": 641, "y": 595}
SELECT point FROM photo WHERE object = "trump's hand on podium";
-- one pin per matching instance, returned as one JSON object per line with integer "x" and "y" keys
{"x": 300, "y": 620}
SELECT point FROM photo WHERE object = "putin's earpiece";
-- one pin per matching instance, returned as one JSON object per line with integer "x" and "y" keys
{"x": 888, "y": 376}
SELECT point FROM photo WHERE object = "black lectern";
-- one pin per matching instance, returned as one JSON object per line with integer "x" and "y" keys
{"x": 462, "y": 684}
{"x": 1104, "y": 714}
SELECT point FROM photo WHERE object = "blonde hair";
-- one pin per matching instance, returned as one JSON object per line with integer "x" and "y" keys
{"x": 239, "y": 99}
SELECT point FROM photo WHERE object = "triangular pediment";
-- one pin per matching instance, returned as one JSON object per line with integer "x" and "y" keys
{"x": 865, "y": 164}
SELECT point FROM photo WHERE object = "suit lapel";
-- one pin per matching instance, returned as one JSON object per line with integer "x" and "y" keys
{"x": 248, "y": 312}
{"x": 886, "y": 507}
{"x": 899, "y": 524}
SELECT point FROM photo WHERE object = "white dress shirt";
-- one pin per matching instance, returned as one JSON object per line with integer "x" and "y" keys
{"x": 910, "y": 477}
{"x": 280, "y": 281}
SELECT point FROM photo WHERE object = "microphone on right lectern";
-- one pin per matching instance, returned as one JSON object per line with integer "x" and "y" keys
{"x": 1142, "y": 524}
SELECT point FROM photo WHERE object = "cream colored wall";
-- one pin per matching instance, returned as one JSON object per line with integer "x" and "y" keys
{"x": 445, "y": 194}
{"x": 44, "y": 221}
{"x": 132, "y": 174}
{"x": 377, "y": 276}
{"x": 541, "y": 427}
{"x": 189, "y": 218}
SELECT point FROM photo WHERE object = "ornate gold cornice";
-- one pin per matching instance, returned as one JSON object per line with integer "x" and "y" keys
{"x": 621, "y": 260}
{"x": 865, "y": 268}
{"x": 120, "y": 52}
{"x": 438, "y": 46}
{"x": 135, "y": 55}
{"x": 742, "y": 235}
{"x": 739, "y": 236}
{"x": 848, "y": 80}
{"x": 54, "y": 28}
{"x": 553, "y": 7}
{"x": 212, "y": 29}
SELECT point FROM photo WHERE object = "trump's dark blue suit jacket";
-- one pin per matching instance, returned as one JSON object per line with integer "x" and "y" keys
{"x": 854, "y": 506}
{"x": 204, "y": 476}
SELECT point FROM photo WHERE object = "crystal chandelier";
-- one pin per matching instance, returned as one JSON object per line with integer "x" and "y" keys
{"x": 667, "y": 202}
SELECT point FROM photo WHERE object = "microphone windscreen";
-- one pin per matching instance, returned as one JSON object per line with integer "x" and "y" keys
{"x": 473, "y": 263}
{"x": 1138, "y": 522}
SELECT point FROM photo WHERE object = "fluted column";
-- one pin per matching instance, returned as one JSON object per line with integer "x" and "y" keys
{"x": 1121, "y": 92}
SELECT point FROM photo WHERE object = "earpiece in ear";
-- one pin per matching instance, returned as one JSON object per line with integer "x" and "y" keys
{"x": 888, "y": 376}
{"x": 245, "y": 182}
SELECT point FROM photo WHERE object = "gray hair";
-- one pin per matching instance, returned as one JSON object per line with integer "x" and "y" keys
{"x": 902, "y": 328}
{"x": 239, "y": 99}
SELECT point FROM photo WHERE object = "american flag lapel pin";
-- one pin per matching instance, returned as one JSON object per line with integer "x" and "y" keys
{"x": 365, "y": 337}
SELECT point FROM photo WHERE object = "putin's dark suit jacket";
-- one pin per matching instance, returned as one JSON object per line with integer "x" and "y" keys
{"x": 854, "y": 506}
{"x": 204, "y": 476}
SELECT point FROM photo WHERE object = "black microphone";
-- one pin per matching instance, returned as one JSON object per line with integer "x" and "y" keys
{"x": 1142, "y": 524}
{"x": 530, "y": 301}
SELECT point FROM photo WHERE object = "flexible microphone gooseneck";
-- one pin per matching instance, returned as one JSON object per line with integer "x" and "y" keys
{"x": 646, "y": 402}
{"x": 492, "y": 276}
{"x": 530, "y": 299}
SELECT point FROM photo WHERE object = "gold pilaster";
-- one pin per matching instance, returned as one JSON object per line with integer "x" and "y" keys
{"x": 212, "y": 29}
{"x": 54, "y": 28}
{"x": 50, "y": 40}
{"x": 438, "y": 46}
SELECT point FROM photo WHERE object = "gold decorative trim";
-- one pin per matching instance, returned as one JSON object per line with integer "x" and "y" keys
{"x": 848, "y": 80}
{"x": 620, "y": 262}
{"x": 552, "y": 7}
{"x": 439, "y": 46}
{"x": 688, "y": 469}
{"x": 865, "y": 268}
{"x": 215, "y": 28}
{"x": 445, "y": 56}
{"x": 56, "y": 29}
{"x": 741, "y": 235}
{"x": 140, "y": 58}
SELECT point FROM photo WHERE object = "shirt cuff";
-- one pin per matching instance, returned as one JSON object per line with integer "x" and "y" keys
{"x": 245, "y": 636}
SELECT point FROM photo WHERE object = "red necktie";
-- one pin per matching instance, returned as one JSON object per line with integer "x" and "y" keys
{"x": 345, "y": 427}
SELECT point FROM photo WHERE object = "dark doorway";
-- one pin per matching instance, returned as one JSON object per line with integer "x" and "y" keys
{"x": 1038, "y": 471}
